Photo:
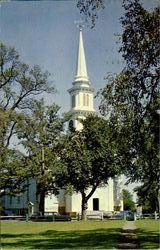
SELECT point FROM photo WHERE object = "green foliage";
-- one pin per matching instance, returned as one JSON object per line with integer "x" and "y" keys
{"x": 19, "y": 83}
{"x": 88, "y": 158}
{"x": 39, "y": 132}
{"x": 13, "y": 172}
{"x": 131, "y": 99}
{"x": 147, "y": 198}
{"x": 128, "y": 202}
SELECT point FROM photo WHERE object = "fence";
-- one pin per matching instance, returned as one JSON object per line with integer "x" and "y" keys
{"x": 91, "y": 215}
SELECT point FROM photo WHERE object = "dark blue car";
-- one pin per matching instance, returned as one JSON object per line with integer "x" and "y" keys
{"x": 130, "y": 216}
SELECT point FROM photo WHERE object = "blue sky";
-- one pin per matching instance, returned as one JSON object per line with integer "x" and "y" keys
{"x": 44, "y": 33}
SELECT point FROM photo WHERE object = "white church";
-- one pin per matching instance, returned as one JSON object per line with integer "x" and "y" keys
{"x": 107, "y": 198}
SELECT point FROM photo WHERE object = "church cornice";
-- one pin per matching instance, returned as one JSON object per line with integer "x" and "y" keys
{"x": 81, "y": 88}
{"x": 83, "y": 112}
{"x": 80, "y": 82}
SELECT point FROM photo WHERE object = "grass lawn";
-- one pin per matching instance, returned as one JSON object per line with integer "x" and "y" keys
{"x": 60, "y": 235}
{"x": 148, "y": 233}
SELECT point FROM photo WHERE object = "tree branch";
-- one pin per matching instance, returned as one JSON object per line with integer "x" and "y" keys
{"x": 92, "y": 191}
{"x": 11, "y": 133}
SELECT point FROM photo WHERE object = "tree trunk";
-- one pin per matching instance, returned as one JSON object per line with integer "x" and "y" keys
{"x": 158, "y": 198}
{"x": 42, "y": 202}
{"x": 84, "y": 206}
{"x": 85, "y": 199}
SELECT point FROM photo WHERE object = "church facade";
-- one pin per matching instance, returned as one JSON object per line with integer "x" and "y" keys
{"x": 107, "y": 198}
{"x": 81, "y": 96}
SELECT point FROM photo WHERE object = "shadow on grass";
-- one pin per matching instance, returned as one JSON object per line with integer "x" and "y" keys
{"x": 51, "y": 239}
{"x": 148, "y": 239}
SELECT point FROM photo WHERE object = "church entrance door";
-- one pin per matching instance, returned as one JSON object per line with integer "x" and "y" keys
{"x": 95, "y": 204}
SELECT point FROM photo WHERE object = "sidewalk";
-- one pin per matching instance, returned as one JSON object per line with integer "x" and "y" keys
{"x": 128, "y": 237}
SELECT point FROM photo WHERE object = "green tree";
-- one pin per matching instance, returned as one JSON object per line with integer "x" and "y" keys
{"x": 19, "y": 84}
{"x": 128, "y": 200}
{"x": 88, "y": 158}
{"x": 147, "y": 198}
{"x": 131, "y": 99}
{"x": 13, "y": 173}
{"x": 39, "y": 133}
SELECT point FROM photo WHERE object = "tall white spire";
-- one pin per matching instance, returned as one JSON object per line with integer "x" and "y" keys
{"x": 81, "y": 69}
{"x": 81, "y": 92}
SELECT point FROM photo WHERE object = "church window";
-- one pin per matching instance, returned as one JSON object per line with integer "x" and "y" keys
{"x": 84, "y": 100}
{"x": 87, "y": 99}
{"x": 95, "y": 204}
{"x": 78, "y": 100}
{"x": 71, "y": 125}
{"x": 73, "y": 101}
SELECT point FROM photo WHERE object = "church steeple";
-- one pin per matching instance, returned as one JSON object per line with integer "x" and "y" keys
{"x": 81, "y": 92}
{"x": 81, "y": 69}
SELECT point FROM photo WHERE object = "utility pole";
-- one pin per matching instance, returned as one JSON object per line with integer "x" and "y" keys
{"x": 42, "y": 188}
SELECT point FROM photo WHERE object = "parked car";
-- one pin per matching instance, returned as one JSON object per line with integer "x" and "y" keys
{"x": 130, "y": 216}
{"x": 60, "y": 217}
{"x": 118, "y": 215}
{"x": 107, "y": 215}
{"x": 8, "y": 213}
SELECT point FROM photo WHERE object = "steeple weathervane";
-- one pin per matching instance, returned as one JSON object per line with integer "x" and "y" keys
{"x": 79, "y": 23}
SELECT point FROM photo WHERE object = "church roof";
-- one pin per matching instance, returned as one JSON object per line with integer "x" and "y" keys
{"x": 81, "y": 69}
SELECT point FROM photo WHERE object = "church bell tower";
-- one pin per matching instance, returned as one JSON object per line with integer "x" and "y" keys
{"x": 81, "y": 96}
{"x": 81, "y": 93}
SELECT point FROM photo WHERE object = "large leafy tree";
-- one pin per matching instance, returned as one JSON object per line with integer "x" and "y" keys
{"x": 131, "y": 99}
{"x": 89, "y": 158}
{"x": 39, "y": 133}
{"x": 19, "y": 84}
